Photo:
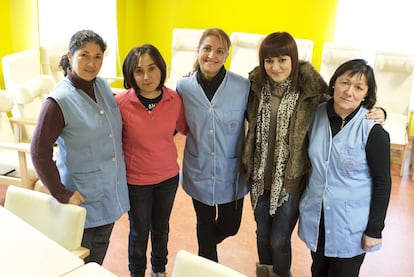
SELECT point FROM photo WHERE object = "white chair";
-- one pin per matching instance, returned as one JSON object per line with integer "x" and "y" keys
{"x": 184, "y": 53}
{"x": 51, "y": 54}
{"x": 245, "y": 52}
{"x": 28, "y": 99}
{"x": 305, "y": 49}
{"x": 333, "y": 55}
{"x": 20, "y": 67}
{"x": 15, "y": 163}
{"x": 29, "y": 87}
{"x": 189, "y": 265}
{"x": 394, "y": 74}
{"x": 63, "y": 223}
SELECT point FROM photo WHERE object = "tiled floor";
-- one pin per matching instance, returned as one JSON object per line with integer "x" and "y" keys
{"x": 239, "y": 252}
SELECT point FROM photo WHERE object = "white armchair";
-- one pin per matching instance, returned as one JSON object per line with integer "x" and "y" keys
{"x": 305, "y": 49}
{"x": 394, "y": 73}
{"x": 63, "y": 223}
{"x": 20, "y": 67}
{"x": 333, "y": 55}
{"x": 51, "y": 54}
{"x": 245, "y": 52}
{"x": 28, "y": 99}
{"x": 23, "y": 79}
{"x": 184, "y": 53}
{"x": 15, "y": 164}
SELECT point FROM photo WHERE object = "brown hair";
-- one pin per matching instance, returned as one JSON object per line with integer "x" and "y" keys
{"x": 131, "y": 62}
{"x": 361, "y": 67}
{"x": 275, "y": 45}
{"x": 78, "y": 41}
{"x": 217, "y": 32}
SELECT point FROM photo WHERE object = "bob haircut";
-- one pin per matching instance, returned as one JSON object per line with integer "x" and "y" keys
{"x": 218, "y": 33}
{"x": 78, "y": 41}
{"x": 131, "y": 62}
{"x": 361, "y": 67}
{"x": 276, "y": 45}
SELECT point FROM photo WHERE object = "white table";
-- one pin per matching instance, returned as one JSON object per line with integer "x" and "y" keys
{"x": 24, "y": 251}
{"x": 89, "y": 270}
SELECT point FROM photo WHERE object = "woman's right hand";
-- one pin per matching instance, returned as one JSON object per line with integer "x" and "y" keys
{"x": 369, "y": 242}
{"x": 76, "y": 198}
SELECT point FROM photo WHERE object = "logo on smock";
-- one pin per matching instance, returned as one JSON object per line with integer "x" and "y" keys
{"x": 232, "y": 126}
{"x": 348, "y": 166}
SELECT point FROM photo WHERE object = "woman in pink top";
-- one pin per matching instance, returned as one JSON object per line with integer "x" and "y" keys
{"x": 151, "y": 114}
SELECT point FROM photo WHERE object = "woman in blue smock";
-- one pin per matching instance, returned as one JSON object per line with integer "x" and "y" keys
{"x": 343, "y": 207}
{"x": 215, "y": 103}
{"x": 82, "y": 118}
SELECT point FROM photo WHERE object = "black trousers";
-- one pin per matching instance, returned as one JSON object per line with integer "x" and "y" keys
{"x": 97, "y": 241}
{"x": 214, "y": 224}
{"x": 323, "y": 266}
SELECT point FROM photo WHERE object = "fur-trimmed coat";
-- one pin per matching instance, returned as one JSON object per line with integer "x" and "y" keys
{"x": 313, "y": 90}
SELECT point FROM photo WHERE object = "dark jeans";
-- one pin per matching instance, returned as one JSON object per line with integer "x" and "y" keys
{"x": 214, "y": 224}
{"x": 151, "y": 207}
{"x": 323, "y": 266}
{"x": 97, "y": 241}
{"x": 274, "y": 233}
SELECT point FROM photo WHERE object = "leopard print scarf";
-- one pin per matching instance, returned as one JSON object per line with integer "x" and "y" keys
{"x": 278, "y": 194}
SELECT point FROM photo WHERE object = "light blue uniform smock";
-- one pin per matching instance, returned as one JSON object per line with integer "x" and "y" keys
{"x": 340, "y": 183}
{"x": 214, "y": 140}
{"x": 90, "y": 158}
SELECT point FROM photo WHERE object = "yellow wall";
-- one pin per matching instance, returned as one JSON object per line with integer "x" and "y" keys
{"x": 152, "y": 21}
{"x": 18, "y": 31}
{"x": 5, "y": 33}
{"x": 131, "y": 25}
{"x": 143, "y": 21}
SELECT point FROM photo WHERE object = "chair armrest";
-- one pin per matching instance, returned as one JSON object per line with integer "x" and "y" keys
{"x": 18, "y": 124}
{"x": 23, "y": 121}
{"x": 22, "y": 150}
{"x": 81, "y": 252}
{"x": 20, "y": 147}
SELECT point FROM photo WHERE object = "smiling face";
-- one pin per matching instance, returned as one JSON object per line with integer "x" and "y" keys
{"x": 87, "y": 61}
{"x": 147, "y": 75}
{"x": 211, "y": 55}
{"x": 349, "y": 92}
{"x": 278, "y": 68}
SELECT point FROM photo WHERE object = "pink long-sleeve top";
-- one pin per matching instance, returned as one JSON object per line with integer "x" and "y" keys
{"x": 148, "y": 137}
